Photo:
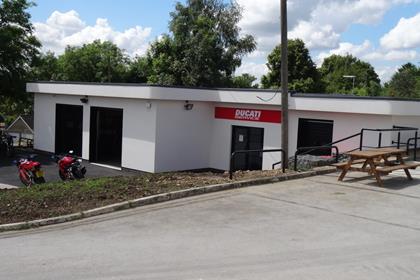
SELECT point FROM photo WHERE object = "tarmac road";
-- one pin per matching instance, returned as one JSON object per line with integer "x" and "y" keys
{"x": 314, "y": 228}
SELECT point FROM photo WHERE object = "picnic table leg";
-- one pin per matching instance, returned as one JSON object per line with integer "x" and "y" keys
{"x": 374, "y": 172}
{"x": 407, "y": 172}
{"x": 345, "y": 170}
{"x": 364, "y": 165}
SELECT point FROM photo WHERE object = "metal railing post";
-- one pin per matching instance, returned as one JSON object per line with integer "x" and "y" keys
{"x": 232, "y": 157}
{"x": 380, "y": 140}
{"x": 415, "y": 145}
{"x": 408, "y": 145}
{"x": 231, "y": 166}
{"x": 283, "y": 158}
{"x": 336, "y": 154}
{"x": 399, "y": 140}
{"x": 361, "y": 139}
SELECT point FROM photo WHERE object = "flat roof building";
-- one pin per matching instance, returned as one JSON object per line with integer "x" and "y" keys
{"x": 158, "y": 129}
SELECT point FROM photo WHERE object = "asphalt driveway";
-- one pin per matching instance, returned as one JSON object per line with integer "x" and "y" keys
{"x": 9, "y": 173}
{"x": 313, "y": 228}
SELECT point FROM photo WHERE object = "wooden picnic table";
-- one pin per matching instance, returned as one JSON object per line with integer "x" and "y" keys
{"x": 376, "y": 162}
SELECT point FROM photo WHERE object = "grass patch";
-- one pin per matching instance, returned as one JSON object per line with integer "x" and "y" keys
{"x": 62, "y": 198}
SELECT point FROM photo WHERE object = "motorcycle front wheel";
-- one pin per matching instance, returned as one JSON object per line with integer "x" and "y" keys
{"x": 39, "y": 180}
{"x": 78, "y": 172}
{"x": 26, "y": 179}
{"x": 62, "y": 176}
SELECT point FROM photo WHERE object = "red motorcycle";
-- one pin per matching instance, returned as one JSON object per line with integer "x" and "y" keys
{"x": 30, "y": 171}
{"x": 70, "y": 167}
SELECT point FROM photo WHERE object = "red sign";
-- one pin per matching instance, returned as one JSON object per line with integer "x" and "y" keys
{"x": 251, "y": 115}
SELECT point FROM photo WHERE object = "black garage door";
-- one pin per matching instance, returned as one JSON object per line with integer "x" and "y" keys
{"x": 106, "y": 135}
{"x": 247, "y": 138}
{"x": 313, "y": 133}
{"x": 68, "y": 129}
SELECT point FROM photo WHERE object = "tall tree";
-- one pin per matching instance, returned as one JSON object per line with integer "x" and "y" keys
{"x": 138, "y": 70}
{"x": 18, "y": 46}
{"x": 405, "y": 82}
{"x": 46, "y": 68}
{"x": 204, "y": 47}
{"x": 303, "y": 75}
{"x": 244, "y": 81}
{"x": 94, "y": 62}
{"x": 336, "y": 67}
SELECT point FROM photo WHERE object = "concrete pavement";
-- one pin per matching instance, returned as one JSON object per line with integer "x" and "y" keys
{"x": 313, "y": 228}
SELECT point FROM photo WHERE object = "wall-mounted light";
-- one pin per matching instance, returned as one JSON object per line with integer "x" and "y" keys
{"x": 148, "y": 105}
{"x": 84, "y": 100}
{"x": 188, "y": 106}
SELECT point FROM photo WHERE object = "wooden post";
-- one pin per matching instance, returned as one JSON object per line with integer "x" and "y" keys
{"x": 284, "y": 85}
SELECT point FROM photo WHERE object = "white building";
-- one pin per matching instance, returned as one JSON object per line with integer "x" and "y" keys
{"x": 158, "y": 129}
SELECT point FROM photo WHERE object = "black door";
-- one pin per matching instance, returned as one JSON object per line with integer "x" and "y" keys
{"x": 106, "y": 135}
{"x": 68, "y": 129}
{"x": 313, "y": 133}
{"x": 247, "y": 138}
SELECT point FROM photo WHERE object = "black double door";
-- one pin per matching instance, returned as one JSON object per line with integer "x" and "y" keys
{"x": 313, "y": 133}
{"x": 68, "y": 129}
{"x": 106, "y": 135}
{"x": 247, "y": 138}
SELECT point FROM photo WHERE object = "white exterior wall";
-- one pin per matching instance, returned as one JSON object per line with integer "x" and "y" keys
{"x": 139, "y": 126}
{"x": 344, "y": 126}
{"x": 166, "y": 137}
{"x": 183, "y": 137}
{"x": 221, "y": 138}
{"x": 44, "y": 119}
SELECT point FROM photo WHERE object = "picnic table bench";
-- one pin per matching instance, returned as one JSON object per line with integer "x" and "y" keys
{"x": 376, "y": 162}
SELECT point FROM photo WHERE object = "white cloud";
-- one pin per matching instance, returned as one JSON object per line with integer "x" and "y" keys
{"x": 366, "y": 51}
{"x": 345, "y": 48}
{"x": 340, "y": 14}
{"x": 406, "y": 34}
{"x": 256, "y": 69}
{"x": 68, "y": 23}
{"x": 315, "y": 36}
{"x": 319, "y": 23}
{"x": 385, "y": 73}
{"x": 393, "y": 55}
{"x": 62, "y": 29}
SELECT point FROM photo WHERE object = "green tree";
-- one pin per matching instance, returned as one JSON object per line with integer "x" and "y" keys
{"x": 244, "y": 81}
{"x": 138, "y": 70}
{"x": 94, "y": 62}
{"x": 204, "y": 47}
{"x": 46, "y": 68}
{"x": 405, "y": 82}
{"x": 335, "y": 67}
{"x": 303, "y": 75}
{"x": 18, "y": 46}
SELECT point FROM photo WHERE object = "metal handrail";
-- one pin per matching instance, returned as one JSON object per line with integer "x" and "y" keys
{"x": 336, "y": 142}
{"x": 314, "y": 149}
{"x": 415, "y": 145}
{"x": 380, "y": 130}
{"x": 232, "y": 156}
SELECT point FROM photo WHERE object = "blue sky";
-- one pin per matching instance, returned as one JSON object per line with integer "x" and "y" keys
{"x": 382, "y": 32}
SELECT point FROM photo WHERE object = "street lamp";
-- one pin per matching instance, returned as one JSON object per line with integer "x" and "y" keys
{"x": 351, "y": 77}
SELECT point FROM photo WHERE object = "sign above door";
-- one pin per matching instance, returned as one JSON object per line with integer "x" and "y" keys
{"x": 246, "y": 114}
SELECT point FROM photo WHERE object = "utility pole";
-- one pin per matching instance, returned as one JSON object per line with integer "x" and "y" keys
{"x": 284, "y": 84}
